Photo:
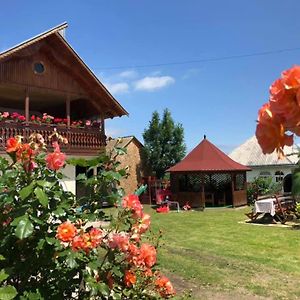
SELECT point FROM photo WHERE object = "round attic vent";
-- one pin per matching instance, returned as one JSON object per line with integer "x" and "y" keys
{"x": 39, "y": 68}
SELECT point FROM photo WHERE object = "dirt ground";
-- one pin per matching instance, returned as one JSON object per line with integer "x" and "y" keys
{"x": 190, "y": 290}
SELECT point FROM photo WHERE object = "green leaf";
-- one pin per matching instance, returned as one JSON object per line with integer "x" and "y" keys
{"x": 81, "y": 177}
{"x": 2, "y": 257}
{"x": 3, "y": 275}
{"x": 77, "y": 162}
{"x": 42, "y": 196}
{"x": 32, "y": 296}
{"x": 120, "y": 150}
{"x": 24, "y": 229}
{"x": 26, "y": 191}
{"x": 8, "y": 292}
{"x": 16, "y": 221}
{"x": 40, "y": 244}
{"x": 104, "y": 289}
{"x": 59, "y": 212}
{"x": 51, "y": 241}
{"x": 122, "y": 172}
{"x": 44, "y": 183}
{"x": 36, "y": 220}
{"x": 117, "y": 271}
{"x": 71, "y": 261}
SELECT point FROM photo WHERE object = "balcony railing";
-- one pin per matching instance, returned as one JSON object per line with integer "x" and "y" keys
{"x": 81, "y": 141}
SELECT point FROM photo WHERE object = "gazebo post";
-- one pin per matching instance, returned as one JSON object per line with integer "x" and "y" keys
{"x": 202, "y": 190}
{"x": 232, "y": 187}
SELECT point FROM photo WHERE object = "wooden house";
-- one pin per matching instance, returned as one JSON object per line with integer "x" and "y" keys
{"x": 44, "y": 77}
{"x": 207, "y": 176}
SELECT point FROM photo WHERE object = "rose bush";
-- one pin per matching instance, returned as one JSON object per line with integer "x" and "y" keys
{"x": 50, "y": 246}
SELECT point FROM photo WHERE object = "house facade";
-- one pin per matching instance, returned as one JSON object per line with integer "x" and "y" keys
{"x": 264, "y": 165}
{"x": 44, "y": 84}
{"x": 132, "y": 161}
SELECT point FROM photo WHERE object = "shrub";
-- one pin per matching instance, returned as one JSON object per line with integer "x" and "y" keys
{"x": 262, "y": 186}
{"x": 49, "y": 248}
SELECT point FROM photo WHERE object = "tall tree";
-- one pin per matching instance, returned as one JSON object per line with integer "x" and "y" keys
{"x": 164, "y": 143}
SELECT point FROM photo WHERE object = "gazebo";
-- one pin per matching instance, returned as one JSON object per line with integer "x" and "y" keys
{"x": 207, "y": 176}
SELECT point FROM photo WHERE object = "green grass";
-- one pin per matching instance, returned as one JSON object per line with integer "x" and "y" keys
{"x": 212, "y": 253}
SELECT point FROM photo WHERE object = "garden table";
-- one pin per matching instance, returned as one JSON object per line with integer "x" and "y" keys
{"x": 265, "y": 206}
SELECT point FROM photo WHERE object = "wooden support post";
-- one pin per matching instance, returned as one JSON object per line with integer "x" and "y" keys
{"x": 68, "y": 111}
{"x": 202, "y": 191}
{"x": 27, "y": 105}
{"x": 102, "y": 124}
{"x": 233, "y": 175}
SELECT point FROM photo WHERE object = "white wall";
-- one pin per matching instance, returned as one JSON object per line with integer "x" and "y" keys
{"x": 272, "y": 169}
{"x": 69, "y": 182}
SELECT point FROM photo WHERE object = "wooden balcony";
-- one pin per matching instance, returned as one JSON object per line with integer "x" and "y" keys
{"x": 81, "y": 141}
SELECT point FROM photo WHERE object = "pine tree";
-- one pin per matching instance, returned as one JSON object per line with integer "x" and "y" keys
{"x": 164, "y": 143}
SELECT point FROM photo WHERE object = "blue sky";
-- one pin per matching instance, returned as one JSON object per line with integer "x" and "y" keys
{"x": 216, "y": 98}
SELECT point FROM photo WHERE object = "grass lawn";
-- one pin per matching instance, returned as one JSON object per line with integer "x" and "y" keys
{"x": 213, "y": 254}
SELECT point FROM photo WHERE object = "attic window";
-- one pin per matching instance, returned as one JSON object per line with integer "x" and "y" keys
{"x": 38, "y": 68}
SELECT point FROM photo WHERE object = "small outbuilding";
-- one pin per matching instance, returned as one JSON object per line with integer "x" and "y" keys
{"x": 207, "y": 176}
{"x": 132, "y": 160}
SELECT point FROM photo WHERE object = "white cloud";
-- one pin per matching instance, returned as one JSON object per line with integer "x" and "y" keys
{"x": 128, "y": 74}
{"x": 151, "y": 83}
{"x": 118, "y": 88}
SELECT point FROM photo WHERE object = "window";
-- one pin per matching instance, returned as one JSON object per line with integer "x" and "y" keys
{"x": 38, "y": 68}
{"x": 279, "y": 176}
{"x": 264, "y": 174}
{"x": 239, "y": 182}
{"x": 190, "y": 183}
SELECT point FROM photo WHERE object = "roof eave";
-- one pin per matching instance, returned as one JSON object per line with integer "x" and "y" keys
{"x": 118, "y": 110}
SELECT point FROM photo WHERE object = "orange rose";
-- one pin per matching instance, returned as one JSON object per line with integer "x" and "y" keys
{"x": 291, "y": 77}
{"x": 66, "y": 232}
{"x": 55, "y": 160}
{"x": 270, "y": 131}
{"x": 133, "y": 203}
{"x": 129, "y": 278}
{"x": 164, "y": 286}
{"x": 143, "y": 225}
{"x": 12, "y": 145}
{"x": 147, "y": 256}
{"x": 77, "y": 243}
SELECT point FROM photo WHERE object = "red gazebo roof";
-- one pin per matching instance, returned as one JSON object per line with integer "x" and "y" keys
{"x": 207, "y": 157}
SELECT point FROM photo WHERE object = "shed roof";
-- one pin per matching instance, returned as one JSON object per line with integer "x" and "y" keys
{"x": 122, "y": 142}
{"x": 250, "y": 154}
{"x": 55, "y": 38}
{"x": 207, "y": 157}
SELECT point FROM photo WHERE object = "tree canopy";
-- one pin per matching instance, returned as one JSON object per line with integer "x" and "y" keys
{"x": 164, "y": 143}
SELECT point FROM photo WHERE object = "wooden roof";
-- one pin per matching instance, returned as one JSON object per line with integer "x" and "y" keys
{"x": 208, "y": 158}
{"x": 99, "y": 99}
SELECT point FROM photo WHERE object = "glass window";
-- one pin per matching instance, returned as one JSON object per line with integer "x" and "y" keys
{"x": 279, "y": 176}
{"x": 265, "y": 174}
{"x": 38, "y": 68}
